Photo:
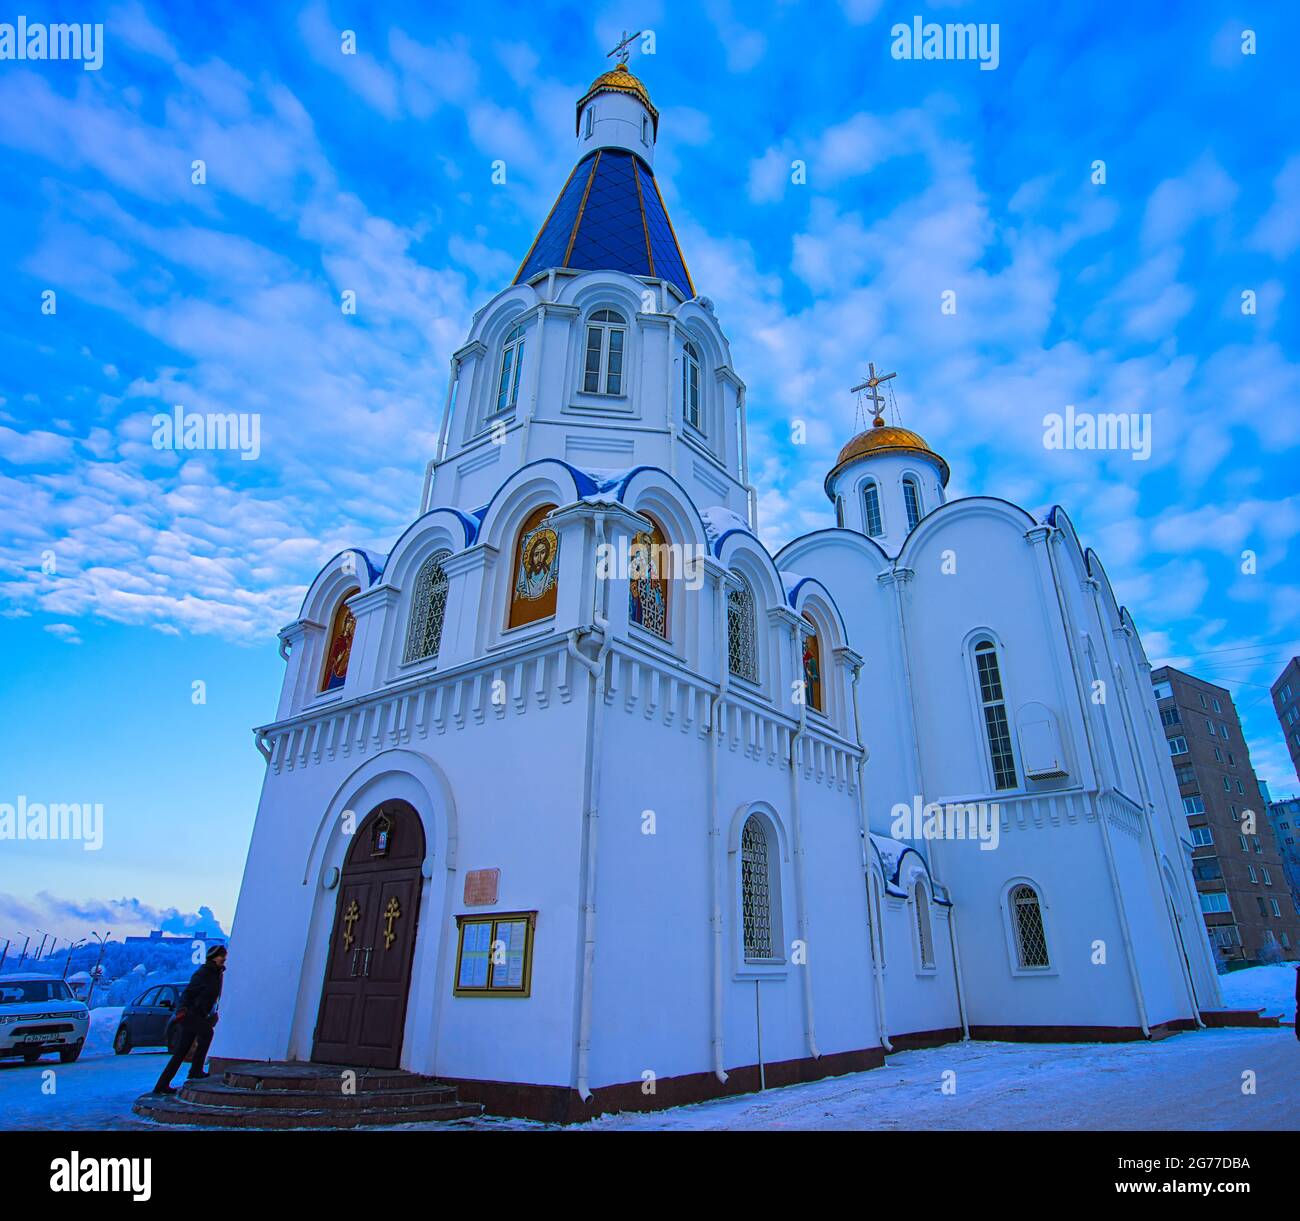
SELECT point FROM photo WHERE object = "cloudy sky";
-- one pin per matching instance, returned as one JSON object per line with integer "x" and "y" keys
{"x": 372, "y": 173}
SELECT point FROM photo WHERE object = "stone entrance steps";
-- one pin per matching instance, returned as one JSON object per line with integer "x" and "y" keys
{"x": 307, "y": 1096}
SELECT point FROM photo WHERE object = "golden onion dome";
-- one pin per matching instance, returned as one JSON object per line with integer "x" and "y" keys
{"x": 618, "y": 79}
{"x": 882, "y": 438}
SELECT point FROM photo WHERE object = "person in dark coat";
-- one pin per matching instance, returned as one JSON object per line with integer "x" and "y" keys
{"x": 194, "y": 1020}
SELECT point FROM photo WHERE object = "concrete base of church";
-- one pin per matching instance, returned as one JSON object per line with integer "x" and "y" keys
{"x": 561, "y": 1104}
{"x": 1077, "y": 1034}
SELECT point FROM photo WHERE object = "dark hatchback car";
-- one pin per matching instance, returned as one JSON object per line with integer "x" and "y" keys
{"x": 144, "y": 1021}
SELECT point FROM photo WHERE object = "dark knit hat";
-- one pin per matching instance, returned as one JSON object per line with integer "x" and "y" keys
{"x": 216, "y": 951}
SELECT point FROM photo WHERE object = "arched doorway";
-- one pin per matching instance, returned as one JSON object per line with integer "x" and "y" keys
{"x": 368, "y": 976}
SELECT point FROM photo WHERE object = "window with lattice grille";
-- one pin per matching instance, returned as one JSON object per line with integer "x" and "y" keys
{"x": 924, "y": 936}
{"x": 871, "y": 509}
{"x": 996, "y": 727}
{"x": 1027, "y": 919}
{"x": 512, "y": 362}
{"x": 912, "y": 499}
{"x": 428, "y": 606}
{"x": 742, "y": 644}
{"x": 691, "y": 386}
{"x": 756, "y": 890}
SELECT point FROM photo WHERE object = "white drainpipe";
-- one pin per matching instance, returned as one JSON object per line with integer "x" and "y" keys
{"x": 1102, "y": 817}
{"x": 1149, "y": 833}
{"x": 452, "y": 377}
{"x": 959, "y": 981}
{"x": 596, "y": 667}
{"x": 715, "y": 826}
{"x": 878, "y": 989}
{"x": 801, "y": 912}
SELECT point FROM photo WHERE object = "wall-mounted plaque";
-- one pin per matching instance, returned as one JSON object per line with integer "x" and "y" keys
{"x": 481, "y": 886}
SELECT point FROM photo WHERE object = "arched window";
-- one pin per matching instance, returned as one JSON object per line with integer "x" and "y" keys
{"x": 924, "y": 937}
{"x": 1027, "y": 924}
{"x": 871, "y": 509}
{"x": 878, "y": 928}
{"x": 998, "y": 732}
{"x": 590, "y": 118}
{"x": 428, "y": 604}
{"x": 742, "y": 643}
{"x": 912, "y": 500}
{"x": 512, "y": 361}
{"x": 603, "y": 369}
{"x": 647, "y": 588}
{"x": 756, "y": 889}
{"x": 339, "y": 651}
{"x": 536, "y": 572}
{"x": 691, "y": 386}
{"x": 812, "y": 668}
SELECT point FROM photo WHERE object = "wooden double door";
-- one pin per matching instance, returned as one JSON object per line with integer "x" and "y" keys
{"x": 372, "y": 945}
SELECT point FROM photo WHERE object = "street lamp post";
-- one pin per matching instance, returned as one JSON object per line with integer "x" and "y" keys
{"x": 67, "y": 962}
{"x": 94, "y": 975}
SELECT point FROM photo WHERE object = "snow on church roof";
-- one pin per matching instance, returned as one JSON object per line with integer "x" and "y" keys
{"x": 720, "y": 521}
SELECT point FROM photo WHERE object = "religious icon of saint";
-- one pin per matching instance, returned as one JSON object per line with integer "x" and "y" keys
{"x": 538, "y": 564}
{"x": 647, "y": 597}
{"x": 336, "y": 665}
{"x": 811, "y": 672}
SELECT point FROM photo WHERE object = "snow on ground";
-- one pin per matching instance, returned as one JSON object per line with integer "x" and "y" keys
{"x": 1192, "y": 1081}
{"x": 103, "y": 1026}
{"x": 93, "y": 1094}
{"x": 1269, "y": 988}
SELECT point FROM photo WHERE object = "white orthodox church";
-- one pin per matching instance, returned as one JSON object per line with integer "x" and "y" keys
{"x": 581, "y": 800}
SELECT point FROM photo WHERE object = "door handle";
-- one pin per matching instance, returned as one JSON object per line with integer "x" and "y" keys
{"x": 366, "y": 969}
{"x": 354, "y": 962}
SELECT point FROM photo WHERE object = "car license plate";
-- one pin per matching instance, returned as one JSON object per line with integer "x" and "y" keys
{"x": 42, "y": 1038}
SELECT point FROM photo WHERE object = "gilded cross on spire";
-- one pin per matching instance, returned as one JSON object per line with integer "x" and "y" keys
{"x": 621, "y": 49}
{"x": 873, "y": 380}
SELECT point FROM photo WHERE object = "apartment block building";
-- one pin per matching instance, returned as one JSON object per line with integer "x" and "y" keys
{"x": 1284, "y": 818}
{"x": 1286, "y": 703}
{"x": 1249, "y": 910}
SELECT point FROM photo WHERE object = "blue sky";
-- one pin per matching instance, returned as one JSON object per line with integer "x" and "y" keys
{"x": 373, "y": 173}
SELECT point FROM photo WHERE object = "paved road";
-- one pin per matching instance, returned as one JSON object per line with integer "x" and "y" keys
{"x": 93, "y": 1094}
{"x": 1189, "y": 1082}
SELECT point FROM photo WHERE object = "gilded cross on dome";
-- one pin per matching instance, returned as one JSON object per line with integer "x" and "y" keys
{"x": 621, "y": 49}
{"x": 873, "y": 380}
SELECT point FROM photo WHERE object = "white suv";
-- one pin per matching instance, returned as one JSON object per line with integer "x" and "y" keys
{"x": 38, "y": 1013}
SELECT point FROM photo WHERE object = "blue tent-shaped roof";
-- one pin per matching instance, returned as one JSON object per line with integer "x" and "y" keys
{"x": 610, "y": 217}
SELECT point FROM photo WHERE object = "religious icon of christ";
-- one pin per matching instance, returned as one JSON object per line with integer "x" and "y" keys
{"x": 537, "y": 564}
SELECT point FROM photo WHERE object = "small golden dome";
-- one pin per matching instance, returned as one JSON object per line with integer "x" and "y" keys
{"x": 882, "y": 438}
{"x": 618, "y": 79}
